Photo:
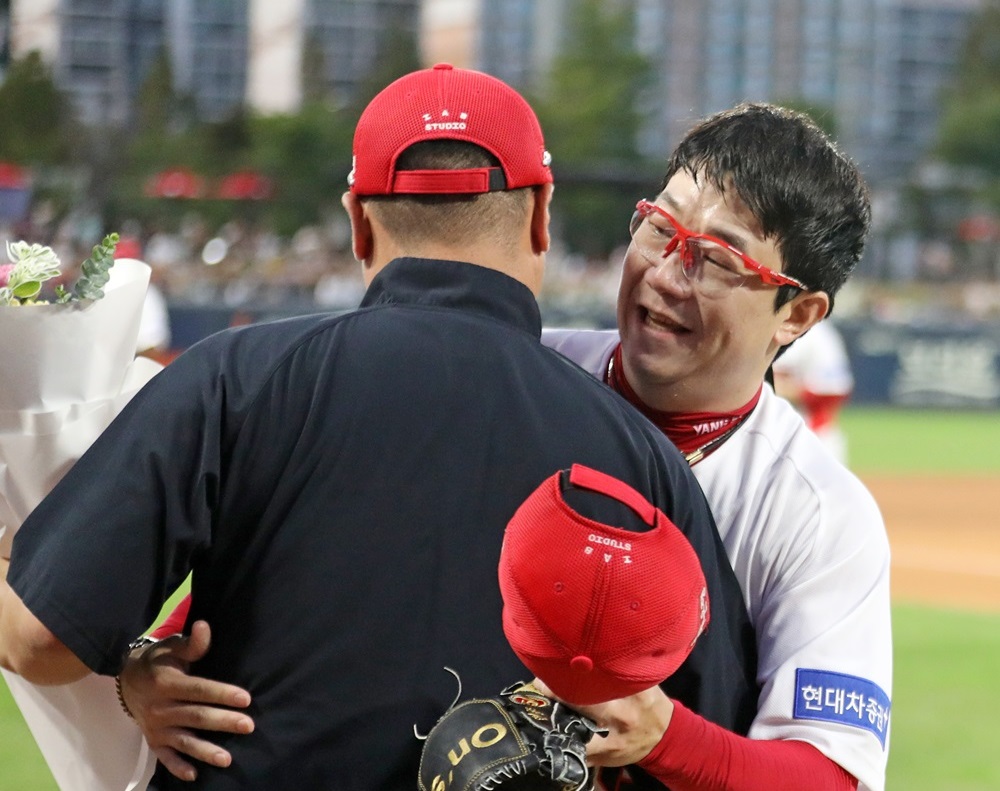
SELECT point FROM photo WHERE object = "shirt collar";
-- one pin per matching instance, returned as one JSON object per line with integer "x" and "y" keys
{"x": 459, "y": 285}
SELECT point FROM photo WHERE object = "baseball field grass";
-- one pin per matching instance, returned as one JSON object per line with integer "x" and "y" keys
{"x": 922, "y": 441}
{"x": 944, "y": 701}
{"x": 946, "y": 687}
{"x": 21, "y": 765}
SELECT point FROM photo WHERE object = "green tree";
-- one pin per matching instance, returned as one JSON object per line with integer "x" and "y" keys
{"x": 164, "y": 122}
{"x": 307, "y": 156}
{"x": 969, "y": 135}
{"x": 588, "y": 108}
{"x": 821, "y": 115}
{"x": 397, "y": 53}
{"x": 35, "y": 117}
{"x": 156, "y": 100}
{"x": 163, "y": 134}
{"x": 315, "y": 80}
{"x": 38, "y": 130}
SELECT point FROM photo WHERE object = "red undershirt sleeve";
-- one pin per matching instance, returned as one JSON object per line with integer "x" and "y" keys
{"x": 174, "y": 623}
{"x": 697, "y": 755}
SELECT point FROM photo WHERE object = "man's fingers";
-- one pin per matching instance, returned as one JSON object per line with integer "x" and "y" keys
{"x": 185, "y": 649}
{"x": 206, "y": 690}
{"x": 542, "y": 687}
{"x": 204, "y": 718}
{"x": 186, "y": 743}
{"x": 594, "y": 711}
{"x": 158, "y": 675}
{"x": 181, "y": 743}
{"x": 199, "y": 641}
{"x": 174, "y": 764}
{"x": 194, "y": 689}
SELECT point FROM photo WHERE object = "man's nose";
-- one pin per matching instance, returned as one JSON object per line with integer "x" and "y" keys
{"x": 668, "y": 270}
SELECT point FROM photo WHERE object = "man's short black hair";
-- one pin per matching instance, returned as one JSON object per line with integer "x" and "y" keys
{"x": 454, "y": 218}
{"x": 804, "y": 192}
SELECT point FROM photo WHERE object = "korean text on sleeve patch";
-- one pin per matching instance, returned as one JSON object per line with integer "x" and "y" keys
{"x": 837, "y": 697}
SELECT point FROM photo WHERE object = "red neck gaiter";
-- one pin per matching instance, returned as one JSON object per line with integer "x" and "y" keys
{"x": 696, "y": 434}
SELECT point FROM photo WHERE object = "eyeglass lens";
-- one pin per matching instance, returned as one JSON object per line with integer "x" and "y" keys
{"x": 709, "y": 266}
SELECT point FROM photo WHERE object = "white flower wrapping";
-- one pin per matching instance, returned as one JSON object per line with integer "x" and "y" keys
{"x": 68, "y": 369}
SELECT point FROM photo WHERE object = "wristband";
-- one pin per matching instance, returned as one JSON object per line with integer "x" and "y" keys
{"x": 135, "y": 644}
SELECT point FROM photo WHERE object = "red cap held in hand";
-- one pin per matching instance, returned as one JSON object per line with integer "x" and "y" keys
{"x": 596, "y": 611}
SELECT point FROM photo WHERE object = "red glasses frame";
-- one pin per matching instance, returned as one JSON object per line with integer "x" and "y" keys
{"x": 644, "y": 208}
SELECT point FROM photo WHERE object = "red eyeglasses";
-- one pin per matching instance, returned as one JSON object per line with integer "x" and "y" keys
{"x": 710, "y": 264}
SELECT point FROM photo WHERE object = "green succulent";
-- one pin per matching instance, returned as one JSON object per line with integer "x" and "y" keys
{"x": 94, "y": 272}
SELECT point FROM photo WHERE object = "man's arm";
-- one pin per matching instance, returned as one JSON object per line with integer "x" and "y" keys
{"x": 28, "y": 648}
{"x": 689, "y": 753}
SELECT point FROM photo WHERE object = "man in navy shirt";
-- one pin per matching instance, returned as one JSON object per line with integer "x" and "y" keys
{"x": 338, "y": 487}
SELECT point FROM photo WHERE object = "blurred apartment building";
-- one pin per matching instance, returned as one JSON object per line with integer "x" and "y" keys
{"x": 879, "y": 66}
{"x": 223, "y": 53}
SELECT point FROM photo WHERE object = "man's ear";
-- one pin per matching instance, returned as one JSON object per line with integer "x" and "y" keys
{"x": 804, "y": 310}
{"x": 540, "y": 237}
{"x": 361, "y": 229}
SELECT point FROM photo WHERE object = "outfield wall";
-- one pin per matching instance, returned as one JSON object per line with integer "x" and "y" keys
{"x": 946, "y": 364}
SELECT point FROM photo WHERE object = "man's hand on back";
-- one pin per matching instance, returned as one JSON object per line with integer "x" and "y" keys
{"x": 169, "y": 705}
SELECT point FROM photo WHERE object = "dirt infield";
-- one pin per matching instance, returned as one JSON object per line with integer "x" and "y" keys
{"x": 945, "y": 538}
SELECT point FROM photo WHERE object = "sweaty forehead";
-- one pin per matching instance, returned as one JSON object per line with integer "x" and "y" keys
{"x": 698, "y": 203}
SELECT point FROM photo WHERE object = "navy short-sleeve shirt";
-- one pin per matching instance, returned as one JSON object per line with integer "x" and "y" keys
{"x": 338, "y": 487}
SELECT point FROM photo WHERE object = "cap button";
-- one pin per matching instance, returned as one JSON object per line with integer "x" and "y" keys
{"x": 583, "y": 664}
{"x": 444, "y": 66}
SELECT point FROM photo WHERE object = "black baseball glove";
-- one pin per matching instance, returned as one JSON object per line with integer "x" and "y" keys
{"x": 520, "y": 740}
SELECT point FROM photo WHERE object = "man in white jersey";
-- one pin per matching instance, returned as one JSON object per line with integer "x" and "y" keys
{"x": 759, "y": 222}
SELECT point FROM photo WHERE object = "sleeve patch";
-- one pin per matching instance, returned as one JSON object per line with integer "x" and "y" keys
{"x": 837, "y": 697}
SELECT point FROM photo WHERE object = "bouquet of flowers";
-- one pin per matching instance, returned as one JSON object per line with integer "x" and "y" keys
{"x": 69, "y": 366}
{"x": 33, "y": 264}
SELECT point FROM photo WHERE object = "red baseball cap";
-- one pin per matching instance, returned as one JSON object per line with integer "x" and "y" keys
{"x": 595, "y": 610}
{"x": 445, "y": 103}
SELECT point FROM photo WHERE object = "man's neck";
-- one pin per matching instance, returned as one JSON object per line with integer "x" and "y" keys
{"x": 682, "y": 398}
{"x": 696, "y": 432}
{"x": 526, "y": 269}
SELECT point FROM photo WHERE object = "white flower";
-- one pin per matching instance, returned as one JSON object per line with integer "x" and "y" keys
{"x": 33, "y": 264}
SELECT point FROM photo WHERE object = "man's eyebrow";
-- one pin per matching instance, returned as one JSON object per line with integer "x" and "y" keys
{"x": 736, "y": 239}
{"x": 667, "y": 198}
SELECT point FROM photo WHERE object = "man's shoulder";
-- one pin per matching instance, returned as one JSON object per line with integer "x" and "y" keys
{"x": 590, "y": 349}
{"x": 267, "y": 339}
{"x": 779, "y": 452}
{"x": 241, "y": 360}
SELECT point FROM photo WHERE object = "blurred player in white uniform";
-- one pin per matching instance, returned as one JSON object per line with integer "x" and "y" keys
{"x": 758, "y": 223}
{"x": 814, "y": 373}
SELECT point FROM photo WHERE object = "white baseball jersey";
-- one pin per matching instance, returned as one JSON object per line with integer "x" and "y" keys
{"x": 809, "y": 548}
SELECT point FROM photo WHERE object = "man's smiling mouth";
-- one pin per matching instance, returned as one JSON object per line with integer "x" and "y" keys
{"x": 660, "y": 321}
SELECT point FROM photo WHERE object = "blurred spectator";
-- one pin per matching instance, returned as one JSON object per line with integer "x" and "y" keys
{"x": 815, "y": 374}
{"x": 129, "y": 246}
{"x": 341, "y": 286}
